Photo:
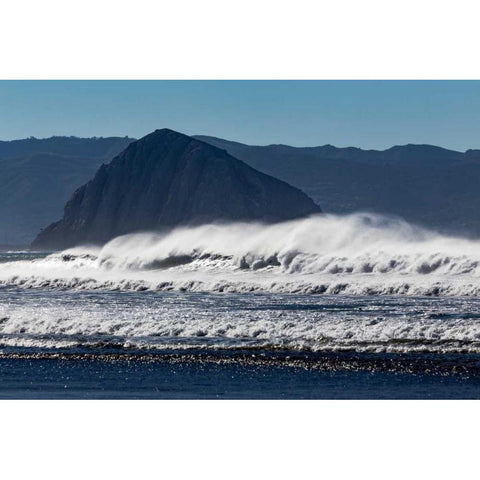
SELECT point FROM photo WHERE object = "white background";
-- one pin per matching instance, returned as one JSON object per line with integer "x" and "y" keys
{"x": 220, "y": 39}
{"x": 239, "y": 40}
{"x": 239, "y": 439}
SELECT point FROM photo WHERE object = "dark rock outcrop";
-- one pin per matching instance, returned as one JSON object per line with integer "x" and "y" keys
{"x": 167, "y": 179}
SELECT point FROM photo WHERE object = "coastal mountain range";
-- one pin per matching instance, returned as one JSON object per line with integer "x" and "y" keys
{"x": 427, "y": 185}
{"x": 37, "y": 177}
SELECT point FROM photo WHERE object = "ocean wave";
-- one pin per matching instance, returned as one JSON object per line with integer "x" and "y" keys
{"x": 361, "y": 254}
{"x": 218, "y": 323}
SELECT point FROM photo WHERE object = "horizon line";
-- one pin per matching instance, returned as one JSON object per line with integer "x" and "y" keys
{"x": 32, "y": 137}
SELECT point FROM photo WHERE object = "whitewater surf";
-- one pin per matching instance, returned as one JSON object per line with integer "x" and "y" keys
{"x": 357, "y": 293}
{"x": 361, "y": 254}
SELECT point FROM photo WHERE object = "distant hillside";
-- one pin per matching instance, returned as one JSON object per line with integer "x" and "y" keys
{"x": 38, "y": 176}
{"x": 424, "y": 184}
{"x": 428, "y": 185}
{"x": 167, "y": 179}
{"x": 98, "y": 147}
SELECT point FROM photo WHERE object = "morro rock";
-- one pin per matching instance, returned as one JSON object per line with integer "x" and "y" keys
{"x": 168, "y": 179}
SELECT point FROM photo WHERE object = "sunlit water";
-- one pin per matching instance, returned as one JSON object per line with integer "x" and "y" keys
{"x": 328, "y": 307}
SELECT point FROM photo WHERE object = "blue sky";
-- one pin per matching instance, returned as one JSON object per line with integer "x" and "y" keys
{"x": 367, "y": 114}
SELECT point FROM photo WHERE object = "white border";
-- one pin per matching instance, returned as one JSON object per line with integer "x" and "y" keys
{"x": 239, "y": 40}
{"x": 239, "y": 440}
{"x": 260, "y": 39}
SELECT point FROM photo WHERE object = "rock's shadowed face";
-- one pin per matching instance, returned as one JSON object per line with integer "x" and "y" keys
{"x": 167, "y": 179}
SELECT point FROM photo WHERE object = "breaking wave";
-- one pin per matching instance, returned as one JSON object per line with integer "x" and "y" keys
{"x": 354, "y": 254}
{"x": 109, "y": 322}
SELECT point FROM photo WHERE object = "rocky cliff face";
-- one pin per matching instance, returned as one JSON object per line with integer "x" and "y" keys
{"x": 167, "y": 179}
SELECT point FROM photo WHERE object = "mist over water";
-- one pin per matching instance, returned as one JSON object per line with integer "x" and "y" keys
{"x": 361, "y": 243}
{"x": 354, "y": 254}
{"x": 229, "y": 287}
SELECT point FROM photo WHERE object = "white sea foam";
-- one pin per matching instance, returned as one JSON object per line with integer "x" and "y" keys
{"x": 364, "y": 324}
{"x": 355, "y": 254}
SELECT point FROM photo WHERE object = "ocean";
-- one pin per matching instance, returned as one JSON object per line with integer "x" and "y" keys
{"x": 328, "y": 307}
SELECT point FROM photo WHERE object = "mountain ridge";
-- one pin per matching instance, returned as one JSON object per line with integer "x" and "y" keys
{"x": 101, "y": 147}
{"x": 35, "y": 185}
{"x": 211, "y": 139}
{"x": 438, "y": 192}
{"x": 427, "y": 185}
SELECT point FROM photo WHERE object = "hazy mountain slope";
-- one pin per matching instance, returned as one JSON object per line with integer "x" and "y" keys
{"x": 167, "y": 179}
{"x": 32, "y": 191}
{"x": 98, "y": 147}
{"x": 34, "y": 188}
{"x": 429, "y": 185}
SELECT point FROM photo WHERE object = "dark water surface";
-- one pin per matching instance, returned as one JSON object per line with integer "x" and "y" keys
{"x": 52, "y": 378}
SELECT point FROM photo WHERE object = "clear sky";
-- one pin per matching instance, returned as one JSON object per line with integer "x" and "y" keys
{"x": 367, "y": 114}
